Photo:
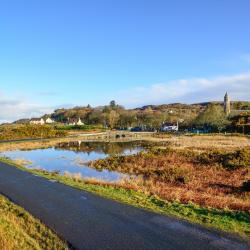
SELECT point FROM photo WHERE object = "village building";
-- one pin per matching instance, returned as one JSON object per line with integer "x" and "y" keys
{"x": 49, "y": 120}
{"x": 37, "y": 121}
{"x": 74, "y": 121}
{"x": 79, "y": 122}
{"x": 240, "y": 117}
{"x": 71, "y": 121}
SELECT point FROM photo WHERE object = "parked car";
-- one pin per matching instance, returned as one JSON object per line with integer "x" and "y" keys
{"x": 170, "y": 127}
{"x": 136, "y": 129}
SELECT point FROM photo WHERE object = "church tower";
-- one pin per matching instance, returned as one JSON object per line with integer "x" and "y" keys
{"x": 227, "y": 106}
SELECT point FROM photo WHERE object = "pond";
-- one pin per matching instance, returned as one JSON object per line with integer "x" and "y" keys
{"x": 72, "y": 157}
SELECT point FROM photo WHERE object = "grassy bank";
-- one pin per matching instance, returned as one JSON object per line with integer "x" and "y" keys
{"x": 223, "y": 219}
{"x": 19, "y": 230}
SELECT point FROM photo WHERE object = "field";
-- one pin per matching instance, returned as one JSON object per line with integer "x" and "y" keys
{"x": 208, "y": 141}
{"x": 19, "y": 230}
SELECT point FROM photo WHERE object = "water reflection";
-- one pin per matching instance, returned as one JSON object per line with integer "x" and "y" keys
{"x": 107, "y": 148}
{"x": 72, "y": 157}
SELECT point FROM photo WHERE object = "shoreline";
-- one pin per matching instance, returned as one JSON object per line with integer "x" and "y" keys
{"x": 199, "y": 142}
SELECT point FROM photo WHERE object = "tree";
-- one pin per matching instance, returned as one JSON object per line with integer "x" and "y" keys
{"x": 95, "y": 117}
{"x": 113, "y": 118}
{"x": 127, "y": 118}
{"x": 112, "y": 104}
{"x": 213, "y": 117}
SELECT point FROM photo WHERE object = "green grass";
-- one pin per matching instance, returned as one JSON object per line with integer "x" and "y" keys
{"x": 226, "y": 220}
{"x": 19, "y": 230}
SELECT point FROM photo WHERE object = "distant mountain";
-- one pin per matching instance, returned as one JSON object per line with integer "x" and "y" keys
{"x": 242, "y": 105}
{"x": 22, "y": 121}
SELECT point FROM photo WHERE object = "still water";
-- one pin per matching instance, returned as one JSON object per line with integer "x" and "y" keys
{"x": 72, "y": 157}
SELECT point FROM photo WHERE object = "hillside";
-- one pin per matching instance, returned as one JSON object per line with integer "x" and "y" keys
{"x": 114, "y": 115}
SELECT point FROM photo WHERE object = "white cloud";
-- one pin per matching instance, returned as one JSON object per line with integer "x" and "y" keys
{"x": 182, "y": 90}
{"x": 190, "y": 90}
{"x": 14, "y": 109}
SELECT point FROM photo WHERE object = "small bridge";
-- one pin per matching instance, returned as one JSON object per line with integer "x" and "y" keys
{"x": 115, "y": 135}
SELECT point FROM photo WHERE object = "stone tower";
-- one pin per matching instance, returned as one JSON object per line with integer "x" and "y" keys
{"x": 227, "y": 106}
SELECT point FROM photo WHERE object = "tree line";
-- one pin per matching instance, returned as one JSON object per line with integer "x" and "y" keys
{"x": 210, "y": 116}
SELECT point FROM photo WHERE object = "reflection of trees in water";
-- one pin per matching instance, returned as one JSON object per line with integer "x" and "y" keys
{"x": 101, "y": 147}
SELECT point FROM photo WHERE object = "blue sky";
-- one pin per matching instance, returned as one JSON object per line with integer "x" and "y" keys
{"x": 62, "y": 53}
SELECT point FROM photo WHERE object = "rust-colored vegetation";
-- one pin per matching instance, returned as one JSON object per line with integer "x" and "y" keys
{"x": 211, "y": 178}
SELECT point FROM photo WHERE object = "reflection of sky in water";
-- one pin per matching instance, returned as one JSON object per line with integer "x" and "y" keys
{"x": 52, "y": 159}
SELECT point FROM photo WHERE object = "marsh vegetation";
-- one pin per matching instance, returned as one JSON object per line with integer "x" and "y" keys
{"x": 204, "y": 179}
{"x": 214, "y": 178}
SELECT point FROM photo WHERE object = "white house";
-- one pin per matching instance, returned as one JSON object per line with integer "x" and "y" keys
{"x": 49, "y": 120}
{"x": 37, "y": 121}
{"x": 79, "y": 122}
{"x": 73, "y": 121}
{"x": 170, "y": 127}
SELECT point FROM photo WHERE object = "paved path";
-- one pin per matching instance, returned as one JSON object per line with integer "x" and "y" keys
{"x": 91, "y": 222}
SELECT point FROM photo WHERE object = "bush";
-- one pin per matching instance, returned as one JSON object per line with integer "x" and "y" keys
{"x": 13, "y": 132}
{"x": 229, "y": 160}
{"x": 237, "y": 159}
{"x": 170, "y": 174}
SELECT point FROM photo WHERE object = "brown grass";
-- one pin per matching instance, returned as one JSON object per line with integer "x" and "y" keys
{"x": 25, "y": 145}
{"x": 194, "y": 142}
{"x": 180, "y": 175}
{"x": 206, "y": 141}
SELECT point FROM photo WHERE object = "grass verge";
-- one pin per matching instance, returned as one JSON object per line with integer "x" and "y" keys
{"x": 222, "y": 219}
{"x": 19, "y": 230}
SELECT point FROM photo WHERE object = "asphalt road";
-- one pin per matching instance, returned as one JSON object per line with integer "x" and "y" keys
{"x": 88, "y": 221}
